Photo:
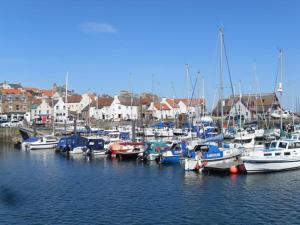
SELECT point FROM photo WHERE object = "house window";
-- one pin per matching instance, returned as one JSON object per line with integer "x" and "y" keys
{"x": 17, "y": 107}
{"x": 119, "y": 116}
{"x": 47, "y": 111}
{"x": 64, "y": 107}
{"x": 119, "y": 107}
{"x": 40, "y": 112}
{"x": 57, "y": 107}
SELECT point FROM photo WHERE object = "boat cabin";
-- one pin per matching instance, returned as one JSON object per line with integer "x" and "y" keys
{"x": 276, "y": 145}
{"x": 282, "y": 148}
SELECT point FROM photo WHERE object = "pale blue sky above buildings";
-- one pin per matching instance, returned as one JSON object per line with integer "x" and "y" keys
{"x": 112, "y": 45}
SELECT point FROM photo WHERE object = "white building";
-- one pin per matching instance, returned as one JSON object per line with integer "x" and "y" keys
{"x": 42, "y": 110}
{"x": 60, "y": 111}
{"x": 240, "y": 108}
{"x": 74, "y": 103}
{"x": 172, "y": 108}
{"x": 161, "y": 111}
{"x": 124, "y": 108}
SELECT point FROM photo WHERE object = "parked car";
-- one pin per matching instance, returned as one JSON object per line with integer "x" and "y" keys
{"x": 14, "y": 123}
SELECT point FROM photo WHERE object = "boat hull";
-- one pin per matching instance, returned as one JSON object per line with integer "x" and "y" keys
{"x": 170, "y": 159}
{"x": 264, "y": 166}
{"x": 127, "y": 155}
{"x": 39, "y": 146}
{"x": 191, "y": 164}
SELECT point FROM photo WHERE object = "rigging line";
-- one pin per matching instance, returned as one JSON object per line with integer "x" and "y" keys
{"x": 274, "y": 92}
{"x": 194, "y": 87}
{"x": 260, "y": 96}
{"x": 229, "y": 73}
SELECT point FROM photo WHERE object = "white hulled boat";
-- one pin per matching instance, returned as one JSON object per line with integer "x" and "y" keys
{"x": 45, "y": 142}
{"x": 282, "y": 155}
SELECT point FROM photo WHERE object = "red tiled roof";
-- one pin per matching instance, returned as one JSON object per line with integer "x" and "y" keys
{"x": 12, "y": 91}
{"x": 161, "y": 106}
{"x": 173, "y": 103}
{"x": 31, "y": 89}
{"x": 74, "y": 99}
{"x": 193, "y": 102}
{"x": 48, "y": 93}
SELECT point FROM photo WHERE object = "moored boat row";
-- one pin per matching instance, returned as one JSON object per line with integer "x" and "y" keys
{"x": 248, "y": 150}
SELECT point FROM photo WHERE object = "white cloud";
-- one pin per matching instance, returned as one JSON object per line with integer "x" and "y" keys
{"x": 96, "y": 27}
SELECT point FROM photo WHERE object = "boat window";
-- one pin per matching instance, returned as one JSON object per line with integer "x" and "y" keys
{"x": 273, "y": 145}
{"x": 297, "y": 144}
{"x": 277, "y": 154}
{"x": 282, "y": 145}
{"x": 248, "y": 141}
{"x": 268, "y": 154}
{"x": 287, "y": 153}
{"x": 291, "y": 146}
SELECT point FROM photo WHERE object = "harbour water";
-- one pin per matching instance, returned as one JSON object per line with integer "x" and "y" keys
{"x": 41, "y": 187}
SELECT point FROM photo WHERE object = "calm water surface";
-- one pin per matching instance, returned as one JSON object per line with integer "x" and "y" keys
{"x": 42, "y": 187}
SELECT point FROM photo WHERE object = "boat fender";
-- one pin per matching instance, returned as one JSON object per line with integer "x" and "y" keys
{"x": 197, "y": 167}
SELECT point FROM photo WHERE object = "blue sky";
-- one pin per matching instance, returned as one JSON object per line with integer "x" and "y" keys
{"x": 110, "y": 45}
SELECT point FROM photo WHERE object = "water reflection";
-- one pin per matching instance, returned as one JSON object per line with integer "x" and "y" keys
{"x": 192, "y": 178}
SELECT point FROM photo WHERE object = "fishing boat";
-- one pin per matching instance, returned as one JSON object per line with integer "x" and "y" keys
{"x": 248, "y": 141}
{"x": 39, "y": 143}
{"x": 132, "y": 153}
{"x": 74, "y": 144}
{"x": 218, "y": 158}
{"x": 95, "y": 146}
{"x": 152, "y": 150}
{"x": 172, "y": 155}
{"x": 125, "y": 146}
{"x": 281, "y": 155}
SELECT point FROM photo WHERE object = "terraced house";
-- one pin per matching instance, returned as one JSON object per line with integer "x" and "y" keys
{"x": 14, "y": 102}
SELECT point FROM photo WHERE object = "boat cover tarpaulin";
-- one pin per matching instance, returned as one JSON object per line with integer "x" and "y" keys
{"x": 213, "y": 153}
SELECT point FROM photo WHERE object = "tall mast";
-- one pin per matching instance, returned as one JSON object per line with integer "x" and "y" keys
{"x": 66, "y": 97}
{"x": 203, "y": 106}
{"x": 199, "y": 99}
{"x": 187, "y": 71}
{"x": 221, "y": 76}
{"x": 280, "y": 88}
{"x": 53, "y": 131}
{"x": 240, "y": 87}
{"x": 98, "y": 116}
{"x": 66, "y": 101}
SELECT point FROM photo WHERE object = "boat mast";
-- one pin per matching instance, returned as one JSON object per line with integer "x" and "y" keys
{"x": 240, "y": 87}
{"x": 221, "y": 76}
{"x": 280, "y": 88}
{"x": 187, "y": 72}
{"x": 199, "y": 99}
{"x": 53, "y": 128}
{"x": 66, "y": 100}
{"x": 203, "y": 106}
{"x": 98, "y": 116}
